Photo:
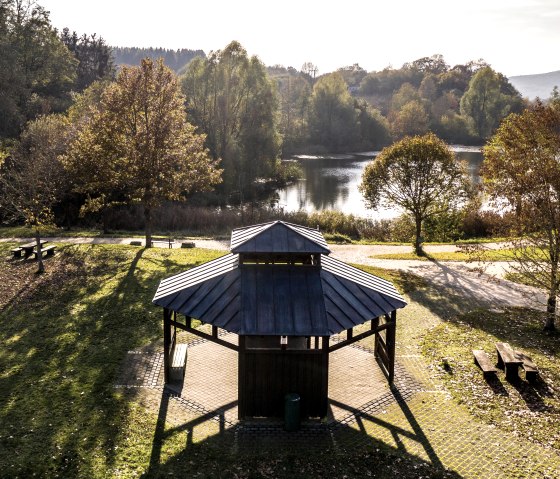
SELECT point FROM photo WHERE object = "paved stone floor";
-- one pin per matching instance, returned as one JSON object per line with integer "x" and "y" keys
{"x": 416, "y": 416}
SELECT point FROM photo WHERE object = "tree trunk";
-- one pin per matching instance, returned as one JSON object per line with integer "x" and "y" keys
{"x": 418, "y": 237}
{"x": 550, "y": 311}
{"x": 551, "y": 302}
{"x": 40, "y": 265}
{"x": 105, "y": 222}
{"x": 148, "y": 225}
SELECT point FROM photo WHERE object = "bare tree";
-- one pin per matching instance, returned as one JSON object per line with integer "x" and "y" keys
{"x": 521, "y": 170}
{"x": 32, "y": 179}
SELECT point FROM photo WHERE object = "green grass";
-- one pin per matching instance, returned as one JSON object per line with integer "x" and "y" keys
{"x": 486, "y": 255}
{"x": 64, "y": 335}
{"x": 527, "y": 411}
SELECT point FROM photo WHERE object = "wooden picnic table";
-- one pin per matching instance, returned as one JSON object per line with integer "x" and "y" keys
{"x": 26, "y": 249}
{"x": 508, "y": 360}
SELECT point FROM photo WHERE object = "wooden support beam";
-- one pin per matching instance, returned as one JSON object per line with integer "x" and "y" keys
{"x": 166, "y": 343}
{"x": 214, "y": 331}
{"x": 325, "y": 377}
{"x": 391, "y": 341}
{"x": 349, "y": 333}
{"x": 207, "y": 336}
{"x": 241, "y": 379}
{"x": 358, "y": 337}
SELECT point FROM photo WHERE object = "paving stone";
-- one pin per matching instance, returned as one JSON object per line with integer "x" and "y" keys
{"x": 415, "y": 416}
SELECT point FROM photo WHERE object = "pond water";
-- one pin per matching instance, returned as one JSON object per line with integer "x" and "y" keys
{"x": 330, "y": 182}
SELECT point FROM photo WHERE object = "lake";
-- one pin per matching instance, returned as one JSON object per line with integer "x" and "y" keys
{"x": 330, "y": 182}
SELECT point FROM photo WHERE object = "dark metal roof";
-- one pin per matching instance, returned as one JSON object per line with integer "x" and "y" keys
{"x": 279, "y": 299}
{"x": 282, "y": 300}
{"x": 278, "y": 237}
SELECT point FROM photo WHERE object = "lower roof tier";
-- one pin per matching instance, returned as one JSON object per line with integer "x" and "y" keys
{"x": 277, "y": 299}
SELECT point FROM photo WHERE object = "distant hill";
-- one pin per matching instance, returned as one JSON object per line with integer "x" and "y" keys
{"x": 174, "y": 59}
{"x": 532, "y": 86}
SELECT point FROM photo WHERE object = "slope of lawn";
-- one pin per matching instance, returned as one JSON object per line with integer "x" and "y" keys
{"x": 64, "y": 335}
{"x": 528, "y": 411}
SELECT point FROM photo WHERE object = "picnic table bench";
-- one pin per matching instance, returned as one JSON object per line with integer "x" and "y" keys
{"x": 483, "y": 361}
{"x": 178, "y": 362}
{"x": 49, "y": 251}
{"x": 508, "y": 360}
{"x": 530, "y": 368}
{"x": 26, "y": 249}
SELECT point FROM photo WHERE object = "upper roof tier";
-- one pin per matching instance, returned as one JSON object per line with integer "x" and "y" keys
{"x": 278, "y": 237}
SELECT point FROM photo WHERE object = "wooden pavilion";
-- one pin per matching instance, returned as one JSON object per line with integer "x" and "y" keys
{"x": 285, "y": 297}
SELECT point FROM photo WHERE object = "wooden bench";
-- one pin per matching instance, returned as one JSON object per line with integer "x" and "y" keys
{"x": 17, "y": 252}
{"x": 178, "y": 362}
{"x": 169, "y": 241}
{"x": 530, "y": 368}
{"x": 48, "y": 250}
{"x": 508, "y": 361}
{"x": 483, "y": 361}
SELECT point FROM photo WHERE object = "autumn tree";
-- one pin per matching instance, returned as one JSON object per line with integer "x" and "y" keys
{"x": 32, "y": 178}
{"x": 94, "y": 175}
{"x": 418, "y": 174}
{"x": 521, "y": 171}
{"x": 411, "y": 119}
{"x": 139, "y": 138}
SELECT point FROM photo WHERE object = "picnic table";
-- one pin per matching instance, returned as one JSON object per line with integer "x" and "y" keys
{"x": 508, "y": 360}
{"x": 26, "y": 249}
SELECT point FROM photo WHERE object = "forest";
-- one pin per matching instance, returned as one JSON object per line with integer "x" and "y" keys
{"x": 250, "y": 116}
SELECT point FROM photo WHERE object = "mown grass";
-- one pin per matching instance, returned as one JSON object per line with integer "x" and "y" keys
{"x": 505, "y": 254}
{"x": 64, "y": 335}
{"x": 529, "y": 411}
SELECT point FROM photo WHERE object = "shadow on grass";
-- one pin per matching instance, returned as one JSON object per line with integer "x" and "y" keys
{"x": 496, "y": 385}
{"x": 63, "y": 341}
{"x": 265, "y": 449}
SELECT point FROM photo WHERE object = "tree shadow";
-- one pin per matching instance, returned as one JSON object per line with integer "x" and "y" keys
{"x": 249, "y": 449}
{"x": 62, "y": 347}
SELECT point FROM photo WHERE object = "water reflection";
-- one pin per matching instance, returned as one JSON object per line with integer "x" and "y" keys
{"x": 331, "y": 183}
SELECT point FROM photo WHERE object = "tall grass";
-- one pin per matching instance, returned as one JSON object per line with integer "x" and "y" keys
{"x": 180, "y": 218}
{"x": 195, "y": 220}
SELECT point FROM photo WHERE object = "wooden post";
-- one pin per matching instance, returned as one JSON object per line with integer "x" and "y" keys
{"x": 374, "y": 325}
{"x": 166, "y": 343}
{"x": 391, "y": 340}
{"x": 241, "y": 372}
{"x": 325, "y": 377}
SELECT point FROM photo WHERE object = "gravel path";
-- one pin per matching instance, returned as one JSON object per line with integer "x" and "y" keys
{"x": 464, "y": 278}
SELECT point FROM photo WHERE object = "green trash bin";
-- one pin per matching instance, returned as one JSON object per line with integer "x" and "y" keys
{"x": 292, "y": 412}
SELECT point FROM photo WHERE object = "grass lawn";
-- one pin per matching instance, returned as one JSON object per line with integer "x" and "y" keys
{"x": 531, "y": 412}
{"x": 64, "y": 335}
{"x": 486, "y": 255}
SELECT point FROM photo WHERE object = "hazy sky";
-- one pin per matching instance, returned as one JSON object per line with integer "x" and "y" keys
{"x": 515, "y": 36}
